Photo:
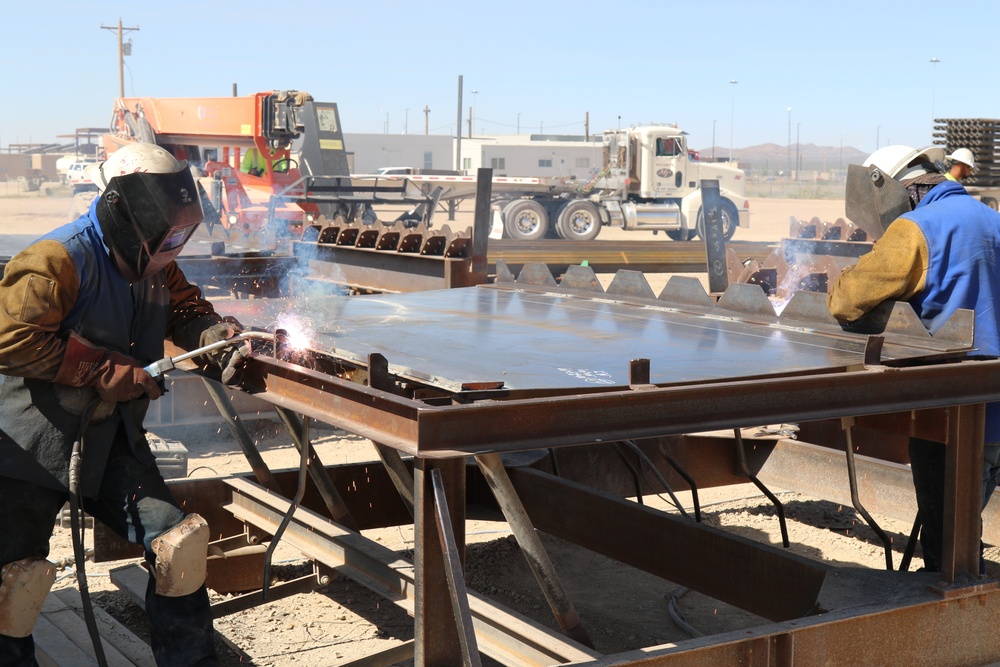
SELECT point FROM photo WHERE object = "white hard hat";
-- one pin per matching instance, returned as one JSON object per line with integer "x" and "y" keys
{"x": 904, "y": 162}
{"x": 963, "y": 155}
{"x": 132, "y": 159}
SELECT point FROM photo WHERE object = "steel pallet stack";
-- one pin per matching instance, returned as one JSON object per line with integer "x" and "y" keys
{"x": 979, "y": 135}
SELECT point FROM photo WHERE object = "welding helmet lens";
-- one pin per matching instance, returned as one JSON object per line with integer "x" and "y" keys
{"x": 147, "y": 218}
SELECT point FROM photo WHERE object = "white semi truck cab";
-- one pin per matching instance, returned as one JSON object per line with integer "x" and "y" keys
{"x": 649, "y": 181}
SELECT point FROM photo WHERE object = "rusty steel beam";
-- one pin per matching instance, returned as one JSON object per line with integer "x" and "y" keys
{"x": 379, "y": 270}
{"x": 723, "y": 566}
{"x": 611, "y": 256}
{"x": 503, "y": 635}
{"x": 926, "y": 631}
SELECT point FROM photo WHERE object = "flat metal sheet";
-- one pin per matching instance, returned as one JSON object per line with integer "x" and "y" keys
{"x": 527, "y": 340}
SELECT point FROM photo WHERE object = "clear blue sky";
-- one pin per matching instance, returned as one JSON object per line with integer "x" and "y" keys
{"x": 851, "y": 71}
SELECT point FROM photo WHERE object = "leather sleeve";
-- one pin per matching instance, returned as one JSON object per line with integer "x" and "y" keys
{"x": 38, "y": 290}
{"x": 896, "y": 269}
{"x": 190, "y": 314}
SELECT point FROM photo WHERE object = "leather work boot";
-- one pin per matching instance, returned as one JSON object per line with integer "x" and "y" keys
{"x": 180, "y": 628}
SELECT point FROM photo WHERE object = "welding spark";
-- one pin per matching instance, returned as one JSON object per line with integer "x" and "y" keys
{"x": 299, "y": 330}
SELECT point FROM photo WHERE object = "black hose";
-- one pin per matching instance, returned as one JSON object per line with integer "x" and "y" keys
{"x": 77, "y": 531}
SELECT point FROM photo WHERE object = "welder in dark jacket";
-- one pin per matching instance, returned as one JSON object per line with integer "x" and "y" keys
{"x": 82, "y": 311}
{"x": 941, "y": 256}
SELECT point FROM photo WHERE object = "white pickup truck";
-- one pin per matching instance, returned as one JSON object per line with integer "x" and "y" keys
{"x": 78, "y": 179}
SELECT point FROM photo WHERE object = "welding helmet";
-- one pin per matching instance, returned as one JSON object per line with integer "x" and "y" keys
{"x": 148, "y": 208}
{"x": 889, "y": 183}
{"x": 963, "y": 155}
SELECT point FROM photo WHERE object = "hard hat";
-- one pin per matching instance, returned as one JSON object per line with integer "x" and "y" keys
{"x": 137, "y": 157}
{"x": 148, "y": 208}
{"x": 963, "y": 155}
{"x": 905, "y": 162}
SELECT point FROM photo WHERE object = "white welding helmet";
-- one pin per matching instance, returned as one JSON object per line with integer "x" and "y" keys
{"x": 905, "y": 162}
{"x": 889, "y": 183}
{"x": 131, "y": 159}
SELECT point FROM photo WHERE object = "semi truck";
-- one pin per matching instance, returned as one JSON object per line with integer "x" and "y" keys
{"x": 648, "y": 180}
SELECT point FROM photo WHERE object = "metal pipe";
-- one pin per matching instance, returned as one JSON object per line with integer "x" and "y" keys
{"x": 847, "y": 423}
{"x": 321, "y": 478}
{"x": 741, "y": 457}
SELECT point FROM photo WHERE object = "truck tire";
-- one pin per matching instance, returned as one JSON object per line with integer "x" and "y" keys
{"x": 578, "y": 221}
{"x": 730, "y": 220}
{"x": 680, "y": 234}
{"x": 525, "y": 220}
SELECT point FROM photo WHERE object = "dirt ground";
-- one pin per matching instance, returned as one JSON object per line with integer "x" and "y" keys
{"x": 621, "y": 607}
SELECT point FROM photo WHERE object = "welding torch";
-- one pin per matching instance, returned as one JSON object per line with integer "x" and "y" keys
{"x": 158, "y": 368}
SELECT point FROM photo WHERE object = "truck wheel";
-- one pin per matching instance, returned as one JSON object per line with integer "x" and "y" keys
{"x": 525, "y": 220}
{"x": 578, "y": 221}
{"x": 680, "y": 234}
{"x": 730, "y": 220}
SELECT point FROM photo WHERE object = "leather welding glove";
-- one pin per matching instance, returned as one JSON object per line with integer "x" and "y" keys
{"x": 229, "y": 359}
{"x": 115, "y": 377}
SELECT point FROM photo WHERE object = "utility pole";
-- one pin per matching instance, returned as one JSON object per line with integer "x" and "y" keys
{"x": 470, "y": 122}
{"x": 586, "y": 126}
{"x": 121, "y": 53}
{"x": 458, "y": 128}
{"x": 427, "y": 118}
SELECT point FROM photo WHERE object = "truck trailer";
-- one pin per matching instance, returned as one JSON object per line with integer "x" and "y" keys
{"x": 647, "y": 179}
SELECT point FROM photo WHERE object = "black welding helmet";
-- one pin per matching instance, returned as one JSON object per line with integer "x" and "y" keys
{"x": 891, "y": 182}
{"x": 148, "y": 209}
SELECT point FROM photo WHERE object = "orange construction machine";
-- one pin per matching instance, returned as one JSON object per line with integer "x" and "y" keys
{"x": 245, "y": 149}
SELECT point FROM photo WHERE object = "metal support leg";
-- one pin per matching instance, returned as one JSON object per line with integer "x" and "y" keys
{"x": 741, "y": 457}
{"x": 320, "y": 477}
{"x": 963, "y": 489}
{"x": 222, "y": 401}
{"x": 852, "y": 476}
{"x": 435, "y": 633}
{"x": 398, "y": 473}
{"x": 454, "y": 574}
{"x": 538, "y": 559}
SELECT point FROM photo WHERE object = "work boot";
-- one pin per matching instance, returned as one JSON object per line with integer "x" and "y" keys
{"x": 17, "y": 651}
{"x": 180, "y": 628}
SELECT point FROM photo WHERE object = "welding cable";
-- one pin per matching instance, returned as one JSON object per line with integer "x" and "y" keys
{"x": 77, "y": 530}
{"x": 646, "y": 463}
{"x": 677, "y": 616}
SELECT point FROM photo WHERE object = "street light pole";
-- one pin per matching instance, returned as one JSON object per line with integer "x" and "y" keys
{"x": 934, "y": 62}
{"x": 472, "y": 113}
{"x": 519, "y": 122}
{"x": 713, "y": 139}
{"x": 732, "y": 116}
{"x": 798, "y": 164}
{"x": 788, "y": 176}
